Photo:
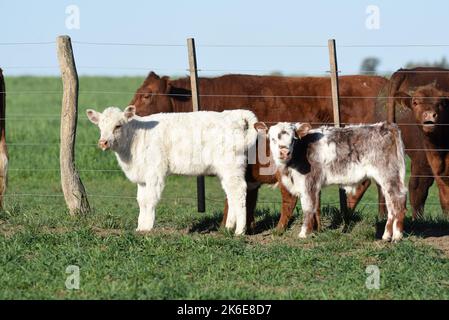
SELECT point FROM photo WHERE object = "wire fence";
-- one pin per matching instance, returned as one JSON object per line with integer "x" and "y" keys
{"x": 188, "y": 199}
{"x": 237, "y": 45}
{"x": 40, "y": 117}
{"x": 271, "y": 72}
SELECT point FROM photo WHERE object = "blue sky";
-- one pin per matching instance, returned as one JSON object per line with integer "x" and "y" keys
{"x": 248, "y": 22}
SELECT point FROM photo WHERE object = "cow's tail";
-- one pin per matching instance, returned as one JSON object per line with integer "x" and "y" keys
{"x": 250, "y": 134}
{"x": 400, "y": 154}
{"x": 3, "y": 148}
{"x": 393, "y": 86}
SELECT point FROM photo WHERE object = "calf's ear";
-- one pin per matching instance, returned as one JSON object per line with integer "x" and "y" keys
{"x": 129, "y": 112}
{"x": 179, "y": 94}
{"x": 260, "y": 126}
{"x": 403, "y": 99}
{"x": 93, "y": 116}
{"x": 302, "y": 129}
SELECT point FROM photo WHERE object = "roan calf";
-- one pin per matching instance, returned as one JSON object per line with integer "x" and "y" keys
{"x": 195, "y": 143}
{"x": 311, "y": 159}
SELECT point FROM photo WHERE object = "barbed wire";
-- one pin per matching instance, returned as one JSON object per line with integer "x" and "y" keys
{"x": 329, "y": 124}
{"x": 234, "y": 45}
{"x": 131, "y": 44}
{"x": 269, "y": 72}
{"x": 95, "y": 145}
{"x": 26, "y": 43}
{"x": 220, "y": 95}
{"x": 323, "y": 204}
{"x": 119, "y": 170}
{"x": 230, "y": 45}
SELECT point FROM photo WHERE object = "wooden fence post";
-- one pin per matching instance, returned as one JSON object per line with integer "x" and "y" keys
{"x": 3, "y": 148}
{"x": 336, "y": 107}
{"x": 200, "y": 186}
{"x": 72, "y": 187}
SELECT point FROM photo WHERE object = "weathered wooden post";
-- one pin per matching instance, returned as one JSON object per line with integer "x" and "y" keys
{"x": 200, "y": 187}
{"x": 72, "y": 187}
{"x": 3, "y": 148}
{"x": 336, "y": 107}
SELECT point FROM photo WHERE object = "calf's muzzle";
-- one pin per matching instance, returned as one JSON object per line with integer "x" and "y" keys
{"x": 284, "y": 153}
{"x": 103, "y": 144}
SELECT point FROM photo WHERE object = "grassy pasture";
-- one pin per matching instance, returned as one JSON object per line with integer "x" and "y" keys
{"x": 187, "y": 256}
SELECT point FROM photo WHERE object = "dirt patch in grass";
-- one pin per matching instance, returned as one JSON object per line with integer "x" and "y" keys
{"x": 441, "y": 243}
{"x": 106, "y": 232}
{"x": 7, "y": 230}
{"x": 55, "y": 230}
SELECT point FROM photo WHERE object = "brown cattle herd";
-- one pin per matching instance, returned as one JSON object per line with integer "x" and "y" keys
{"x": 416, "y": 99}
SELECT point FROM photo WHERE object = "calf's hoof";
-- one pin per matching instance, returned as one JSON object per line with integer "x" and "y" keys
{"x": 397, "y": 237}
{"x": 230, "y": 226}
{"x": 280, "y": 229}
{"x": 239, "y": 232}
{"x": 303, "y": 234}
{"x": 251, "y": 228}
{"x": 386, "y": 236}
{"x": 143, "y": 229}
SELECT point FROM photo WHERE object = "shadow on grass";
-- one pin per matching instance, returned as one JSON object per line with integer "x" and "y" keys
{"x": 347, "y": 220}
{"x": 265, "y": 220}
{"x": 423, "y": 228}
{"x": 207, "y": 224}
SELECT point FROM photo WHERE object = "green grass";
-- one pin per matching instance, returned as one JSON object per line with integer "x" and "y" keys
{"x": 186, "y": 256}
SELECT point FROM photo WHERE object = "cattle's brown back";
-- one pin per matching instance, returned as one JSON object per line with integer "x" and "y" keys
{"x": 274, "y": 99}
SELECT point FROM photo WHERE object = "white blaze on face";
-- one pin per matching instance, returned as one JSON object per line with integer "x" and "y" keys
{"x": 282, "y": 136}
{"x": 282, "y": 139}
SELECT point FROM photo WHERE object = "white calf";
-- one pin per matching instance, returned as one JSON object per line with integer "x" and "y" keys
{"x": 196, "y": 143}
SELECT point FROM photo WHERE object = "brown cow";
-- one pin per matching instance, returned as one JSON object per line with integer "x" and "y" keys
{"x": 430, "y": 108}
{"x": 3, "y": 148}
{"x": 405, "y": 82}
{"x": 272, "y": 99}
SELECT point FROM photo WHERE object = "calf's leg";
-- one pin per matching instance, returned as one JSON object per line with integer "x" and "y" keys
{"x": 251, "y": 202}
{"x": 419, "y": 190}
{"x": 354, "y": 199}
{"x": 317, "y": 216}
{"x": 225, "y": 213}
{"x": 288, "y": 205}
{"x": 148, "y": 195}
{"x": 309, "y": 205}
{"x": 235, "y": 189}
{"x": 395, "y": 199}
{"x": 419, "y": 184}
{"x": 443, "y": 191}
{"x": 388, "y": 232}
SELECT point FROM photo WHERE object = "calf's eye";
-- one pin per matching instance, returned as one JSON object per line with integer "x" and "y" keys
{"x": 117, "y": 127}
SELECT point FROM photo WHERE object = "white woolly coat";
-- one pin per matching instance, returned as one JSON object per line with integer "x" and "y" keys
{"x": 195, "y": 143}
